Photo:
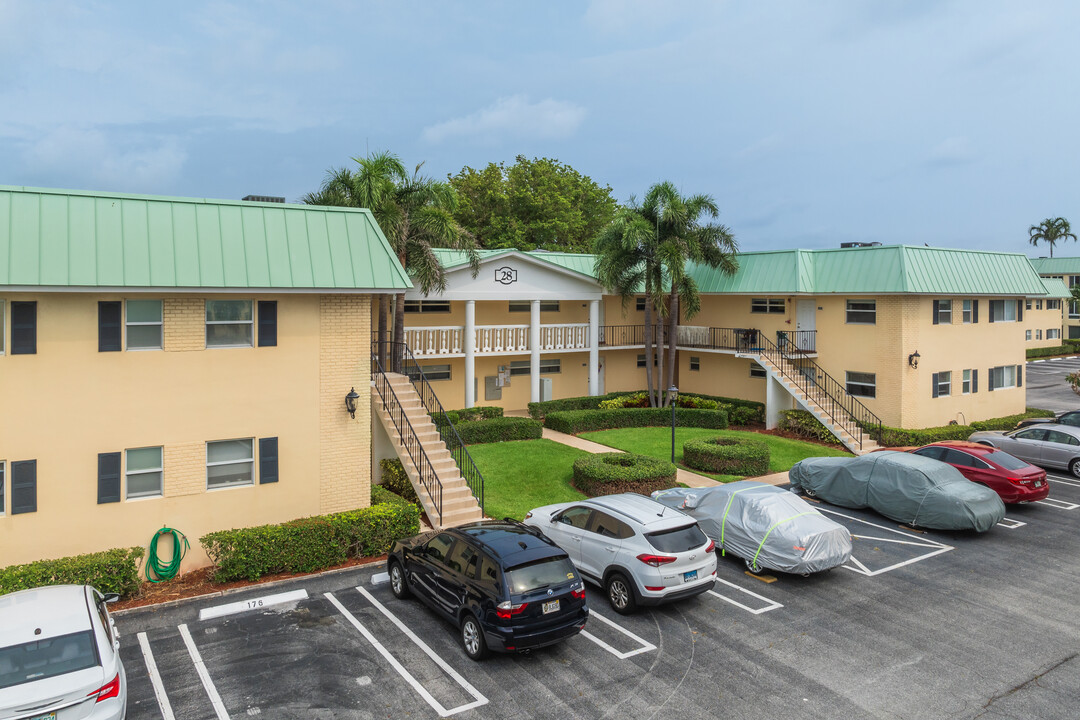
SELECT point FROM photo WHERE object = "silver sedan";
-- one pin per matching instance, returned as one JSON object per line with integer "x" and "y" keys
{"x": 1046, "y": 445}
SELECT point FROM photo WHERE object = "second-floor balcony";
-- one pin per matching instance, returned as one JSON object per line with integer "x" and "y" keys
{"x": 699, "y": 337}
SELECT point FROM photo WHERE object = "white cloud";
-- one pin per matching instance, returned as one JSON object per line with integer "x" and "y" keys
{"x": 512, "y": 116}
{"x": 132, "y": 163}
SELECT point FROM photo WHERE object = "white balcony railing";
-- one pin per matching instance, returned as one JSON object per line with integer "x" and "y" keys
{"x": 435, "y": 341}
{"x": 564, "y": 337}
{"x": 502, "y": 338}
{"x": 495, "y": 339}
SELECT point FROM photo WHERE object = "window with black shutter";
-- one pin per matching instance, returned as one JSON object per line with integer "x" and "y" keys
{"x": 974, "y": 381}
{"x": 23, "y": 487}
{"x": 936, "y": 310}
{"x": 23, "y": 328}
{"x": 109, "y": 326}
{"x": 974, "y": 311}
{"x": 934, "y": 378}
{"x": 1019, "y": 376}
{"x": 268, "y": 460}
{"x": 108, "y": 482}
{"x": 2, "y": 505}
{"x": 267, "y": 323}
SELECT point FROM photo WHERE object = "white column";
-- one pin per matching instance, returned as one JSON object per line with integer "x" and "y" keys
{"x": 470, "y": 353}
{"x": 594, "y": 347}
{"x": 534, "y": 351}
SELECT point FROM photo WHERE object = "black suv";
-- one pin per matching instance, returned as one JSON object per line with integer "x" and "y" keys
{"x": 505, "y": 585}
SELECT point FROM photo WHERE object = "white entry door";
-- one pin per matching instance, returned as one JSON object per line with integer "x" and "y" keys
{"x": 805, "y": 324}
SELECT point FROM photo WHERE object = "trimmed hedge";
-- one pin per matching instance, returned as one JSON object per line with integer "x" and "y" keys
{"x": 573, "y": 422}
{"x": 1069, "y": 347}
{"x": 309, "y": 544}
{"x": 616, "y": 472}
{"x": 802, "y": 424}
{"x": 379, "y": 494}
{"x": 473, "y": 414}
{"x": 499, "y": 429}
{"x": 540, "y": 410}
{"x": 111, "y": 571}
{"x": 741, "y": 412}
{"x": 728, "y": 456}
{"x": 396, "y": 480}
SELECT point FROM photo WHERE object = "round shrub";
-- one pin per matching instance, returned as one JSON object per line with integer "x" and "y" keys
{"x": 614, "y": 472}
{"x": 727, "y": 456}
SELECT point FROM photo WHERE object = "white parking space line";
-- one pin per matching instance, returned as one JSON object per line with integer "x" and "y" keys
{"x": 204, "y": 675}
{"x": 1010, "y": 524}
{"x": 1059, "y": 504}
{"x": 252, "y": 604}
{"x": 858, "y": 566}
{"x": 155, "y": 678}
{"x": 646, "y": 646}
{"x": 420, "y": 689}
{"x": 1063, "y": 480}
{"x": 771, "y": 604}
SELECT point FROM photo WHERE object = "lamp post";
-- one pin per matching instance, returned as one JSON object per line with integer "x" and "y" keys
{"x": 673, "y": 394}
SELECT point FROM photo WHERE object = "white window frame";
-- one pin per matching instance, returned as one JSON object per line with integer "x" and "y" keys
{"x": 1027, "y": 304}
{"x": 1038, "y": 334}
{"x": 229, "y": 462}
{"x": 695, "y": 363}
{"x": 639, "y": 304}
{"x": 526, "y": 306}
{"x": 848, "y": 382}
{"x": 1053, "y": 304}
{"x": 436, "y": 373}
{"x": 965, "y": 382}
{"x": 757, "y": 370}
{"x": 871, "y": 311}
{"x": 1053, "y": 333}
{"x": 553, "y": 367}
{"x": 1027, "y": 335}
{"x": 1038, "y": 304}
{"x": 1004, "y": 305}
{"x": 768, "y": 306}
{"x": 427, "y": 306}
{"x": 965, "y": 312}
{"x": 251, "y": 322}
{"x": 129, "y": 473}
{"x": 159, "y": 323}
{"x": 946, "y": 383}
{"x": 1001, "y": 370}
{"x": 944, "y": 312}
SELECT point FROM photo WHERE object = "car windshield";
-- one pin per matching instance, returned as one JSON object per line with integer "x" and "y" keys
{"x": 47, "y": 658}
{"x": 1007, "y": 461}
{"x": 677, "y": 540}
{"x": 540, "y": 574}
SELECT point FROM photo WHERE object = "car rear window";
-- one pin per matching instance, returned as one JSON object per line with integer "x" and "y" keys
{"x": 47, "y": 658}
{"x": 678, "y": 540}
{"x": 540, "y": 574}
{"x": 1007, "y": 461}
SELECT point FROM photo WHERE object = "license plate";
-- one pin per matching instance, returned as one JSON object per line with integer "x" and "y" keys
{"x": 689, "y": 576}
{"x": 49, "y": 716}
{"x": 1038, "y": 483}
{"x": 551, "y": 606}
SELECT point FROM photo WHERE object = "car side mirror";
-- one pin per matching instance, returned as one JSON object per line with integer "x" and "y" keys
{"x": 110, "y": 597}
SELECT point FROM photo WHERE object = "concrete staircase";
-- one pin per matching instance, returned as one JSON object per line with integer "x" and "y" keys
{"x": 459, "y": 505}
{"x": 827, "y": 409}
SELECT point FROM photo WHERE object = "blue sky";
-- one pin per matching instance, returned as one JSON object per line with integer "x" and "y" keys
{"x": 811, "y": 123}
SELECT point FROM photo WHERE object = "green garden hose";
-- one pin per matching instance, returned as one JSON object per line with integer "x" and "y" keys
{"x": 180, "y": 548}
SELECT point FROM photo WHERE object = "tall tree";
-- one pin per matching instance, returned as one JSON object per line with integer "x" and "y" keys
{"x": 1050, "y": 231}
{"x": 415, "y": 213}
{"x": 533, "y": 204}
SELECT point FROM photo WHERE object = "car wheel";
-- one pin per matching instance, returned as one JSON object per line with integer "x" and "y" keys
{"x": 472, "y": 638}
{"x": 1074, "y": 468}
{"x": 755, "y": 567}
{"x": 398, "y": 585}
{"x": 808, "y": 492}
{"x": 621, "y": 594}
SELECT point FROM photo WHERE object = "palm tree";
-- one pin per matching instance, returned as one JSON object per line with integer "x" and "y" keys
{"x": 415, "y": 214}
{"x": 1050, "y": 231}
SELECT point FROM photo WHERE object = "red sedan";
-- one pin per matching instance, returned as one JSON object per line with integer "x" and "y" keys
{"x": 1011, "y": 478}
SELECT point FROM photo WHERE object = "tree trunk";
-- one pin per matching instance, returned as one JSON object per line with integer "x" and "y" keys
{"x": 649, "y": 347}
{"x": 673, "y": 334}
{"x": 399, "y": 331}
{"x": 384, "y": 309}
{"x": 661, "y": 391}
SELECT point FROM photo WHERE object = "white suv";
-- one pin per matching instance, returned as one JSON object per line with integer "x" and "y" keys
{"x": 639, "y": 551}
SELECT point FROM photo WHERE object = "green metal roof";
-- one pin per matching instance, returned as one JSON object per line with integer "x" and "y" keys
{"x": 64, "y": 238}
{"x": 1055, "y": 288}
{"x": 1056, "y": 266}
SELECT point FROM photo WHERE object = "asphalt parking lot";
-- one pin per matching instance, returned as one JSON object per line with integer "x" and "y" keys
{"x": 1046, "y": 386}
{"x": 918, "y": 625}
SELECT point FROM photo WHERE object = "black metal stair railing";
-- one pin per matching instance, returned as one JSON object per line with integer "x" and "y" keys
{"x": 402, "y": 355}
{"x": 840, "y": 406}
{"x": 429, "y": 479}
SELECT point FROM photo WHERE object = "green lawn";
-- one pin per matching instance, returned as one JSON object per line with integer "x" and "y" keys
{"x": 523, "y": 474}
{"x": 656, "y": 442}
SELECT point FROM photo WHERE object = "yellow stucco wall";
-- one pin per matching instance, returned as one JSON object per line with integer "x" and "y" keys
{"x": 69, "y": 402}
{"x": 1040, "y": 320}
{"x": 719, "y": 374}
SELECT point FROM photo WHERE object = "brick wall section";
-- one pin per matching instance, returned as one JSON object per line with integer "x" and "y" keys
{"x": 184, "y": 324}
{"x": 344, "y": 363}
{"x": 185, "y": 469}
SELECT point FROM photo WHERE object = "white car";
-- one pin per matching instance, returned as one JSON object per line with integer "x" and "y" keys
{"x": 59, "y": 656}
{"x": 639, "y": 551}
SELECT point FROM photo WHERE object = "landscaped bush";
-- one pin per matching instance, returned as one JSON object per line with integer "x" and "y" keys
{"x": 499, "y": 429}
{"x": 743, "y": 414}
{"x": 473, "y": 414}
{"x": 1068, "y": 348}
{"x": 641, "y": 400}
{"x": 311, "y": 543}
{"x": 540, "y": 410}
{"x": 607, "y": 473}
{"x": 802, "y": 424}
{"x": 578, "y": 421}
{"x": 396, "y": 480}
{"x": 898, "y": 437}
{"x": 111, "y": 571}
{"x": 379, "y": 494}
{"x": 727, "y": 456}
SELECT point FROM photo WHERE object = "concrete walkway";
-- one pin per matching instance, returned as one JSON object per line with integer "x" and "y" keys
{"x": 686, "y": 477}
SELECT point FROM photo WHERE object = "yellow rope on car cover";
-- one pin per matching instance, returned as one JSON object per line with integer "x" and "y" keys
{"x": 753, "y": 561}
{"x": 723, "y": 520}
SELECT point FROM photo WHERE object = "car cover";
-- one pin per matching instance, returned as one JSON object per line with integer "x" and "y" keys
{"x": 764, "y": 525}
{"x": 907, "y": 488}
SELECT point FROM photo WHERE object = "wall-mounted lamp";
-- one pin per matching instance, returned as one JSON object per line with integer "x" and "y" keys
{"x": 350, "y": 403}
{"x": 913, "y": 359}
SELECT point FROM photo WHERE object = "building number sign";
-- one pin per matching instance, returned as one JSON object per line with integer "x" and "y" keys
{"x": 506, "y": 275}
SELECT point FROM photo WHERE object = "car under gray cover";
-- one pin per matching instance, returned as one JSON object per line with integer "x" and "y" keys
{"x": 907, "y": 488}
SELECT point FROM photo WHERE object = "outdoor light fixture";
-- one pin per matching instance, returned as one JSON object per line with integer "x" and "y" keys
{"x": 913, "y": 359}
{"x": 350, "y": 403}
{"x": 673, "y": 395}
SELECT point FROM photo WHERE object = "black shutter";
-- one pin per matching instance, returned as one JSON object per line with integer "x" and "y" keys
{"x": 23, "y": 486}
{"x": 1019, "y": 310}
{"x": 974, "y": 381}
{"x": 108, "y": 321}
{"x": 108, "y": 477}
{"x": 933, "y": 379}
{"x": 268, "y": 323}
{"x": 23, "y": 328}
{"x": 1019, "y": 376}
{"x": 990, "y": 380}
{"x": 2, "y": 506}
{"x": 975, "y": 311}
{"x": 268, "y": 462}
{"x": 936, "y": 317}
{"x": 992, "y": 318}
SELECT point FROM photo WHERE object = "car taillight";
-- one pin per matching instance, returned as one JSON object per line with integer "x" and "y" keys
{"x": 506, "y": 609}
{"x": 1019, "y": 481}
{"x": 110, "y": 689}
{"x": 656, "y": 560}
{"x": 658, "y": 588}
{"x": 579, "y": 593}
{"x": 712, "y": 547}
